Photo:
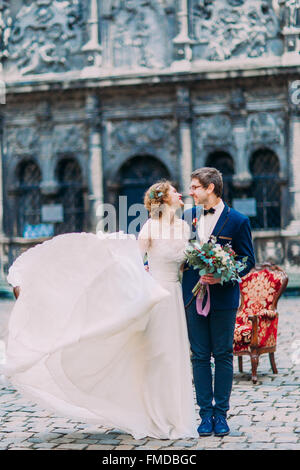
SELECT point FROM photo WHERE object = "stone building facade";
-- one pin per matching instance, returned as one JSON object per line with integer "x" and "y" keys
{"x": 102, "y": 97}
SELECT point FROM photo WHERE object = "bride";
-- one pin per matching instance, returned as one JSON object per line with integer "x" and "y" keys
{"x": 95, "y": 337}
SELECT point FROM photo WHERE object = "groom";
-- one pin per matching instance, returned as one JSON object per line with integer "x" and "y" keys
{"x": 213, "y": 334}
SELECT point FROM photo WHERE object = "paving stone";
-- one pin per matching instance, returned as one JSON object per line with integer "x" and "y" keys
{"x": 18, "y": 448}
{"x": 161, "y": 443}
{"x": 84, "y": 441}
{"x": 72, "y": 447}
{"x": 288, "y": 446}
{"x": 100, "y": 447}
{"x": 123, "y": 447}
{"x": 44, "y": 445}
{"x": 286, "y": 438}
{"x": 109, "y": 442}
{"x": 97, "y": 437}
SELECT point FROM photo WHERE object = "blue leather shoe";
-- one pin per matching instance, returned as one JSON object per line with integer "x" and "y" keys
{"x": 206, "y": 427}
{"x": 221, "y": 427}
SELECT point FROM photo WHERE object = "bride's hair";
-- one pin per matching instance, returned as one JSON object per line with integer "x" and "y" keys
{"x": 156, "y": 196}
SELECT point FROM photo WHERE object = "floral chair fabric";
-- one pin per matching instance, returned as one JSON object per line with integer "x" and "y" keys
{"x": 260, "y": 290}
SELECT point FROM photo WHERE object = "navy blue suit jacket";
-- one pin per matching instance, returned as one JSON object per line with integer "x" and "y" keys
{"x": 234, "y": 228}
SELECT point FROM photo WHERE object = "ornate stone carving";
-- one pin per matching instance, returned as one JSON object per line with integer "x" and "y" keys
{"x": 214, "y": 131}
{"x": 226, "y": 29}
{"x": 21, "y": 140}
{"x": 69, "y": 139}
{"x": 290, "y": 23}
{"x": 183, "y": 105}
{"x": 138, "y": 33}
{"x": 133, "y": 136}
{"x": 271, "y": 251}
{"x": 5, "y": 25}
{"x": 293, "y": 252}
{"x": 45, "y": 35}
{"x": 291, "y": 13}
{"x": 266, "y": 128}
{"x": 237, "y": 100}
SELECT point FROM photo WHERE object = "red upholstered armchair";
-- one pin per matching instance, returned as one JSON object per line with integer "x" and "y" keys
{"x": 257, "y": 318}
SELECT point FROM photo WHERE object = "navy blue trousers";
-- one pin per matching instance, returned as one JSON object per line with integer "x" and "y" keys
{"x": 212, "y": 335}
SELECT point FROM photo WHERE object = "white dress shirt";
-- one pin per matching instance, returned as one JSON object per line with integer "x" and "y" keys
{"x": 208, "y": 222}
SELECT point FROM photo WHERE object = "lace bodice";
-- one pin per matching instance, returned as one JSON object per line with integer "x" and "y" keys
{"x": 165, "y": 245}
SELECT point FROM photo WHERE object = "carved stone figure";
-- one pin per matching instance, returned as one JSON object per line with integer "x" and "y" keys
{"x": 138, "y": 33}
{"x": 21, "y": 140}
{"x": 294, "y": 252}
{"x": 215, "y": 130}
{"x": 44, "y": 35}
{"x": 271, "y": 251}
{"x": 266, "y": 127}
{"x": 131, "y": 135}
{"x": 5, "y": 27}
{"x": 69, "y": 138}
{"x": 233, "y": 27}
{"x": 292, "y": 8}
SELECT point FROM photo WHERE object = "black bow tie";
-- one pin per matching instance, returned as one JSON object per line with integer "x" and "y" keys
{"x": 209, "y": 211}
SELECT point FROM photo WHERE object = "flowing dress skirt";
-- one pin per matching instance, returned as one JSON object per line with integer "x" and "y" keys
{"x": 92, "y": 337}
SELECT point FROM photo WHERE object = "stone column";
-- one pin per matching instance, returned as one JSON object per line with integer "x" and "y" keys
{"x": 95, "y": 166}
{"x": 295, "y": 170}
{"x": 1, "y": 177}
{"x": 92, "y": 47}
{"x": 183, "y": 112}
{"x": 1, "y": 201}
{"x": 182, "y": 42}
{"x": 242, "y": 177}
{"x": 48, "y": 185}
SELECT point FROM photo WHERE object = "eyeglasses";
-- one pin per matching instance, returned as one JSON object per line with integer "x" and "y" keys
{"x": 193, "y": 188}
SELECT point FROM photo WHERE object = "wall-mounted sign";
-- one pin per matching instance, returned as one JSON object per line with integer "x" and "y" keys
{"x": 246, "y": 206}
{"x": 52, "y": 213}
{"x": 38, "y": 231}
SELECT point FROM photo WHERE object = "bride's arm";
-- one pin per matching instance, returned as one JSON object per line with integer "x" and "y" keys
{"x": 144, "y": 239}
{"x": 187, "y": 233}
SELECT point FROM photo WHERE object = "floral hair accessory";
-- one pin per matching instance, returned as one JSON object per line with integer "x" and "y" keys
{"x": 152, "y": 194}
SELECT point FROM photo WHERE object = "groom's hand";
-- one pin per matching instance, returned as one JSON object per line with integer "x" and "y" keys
{"x": 210, "y": 279}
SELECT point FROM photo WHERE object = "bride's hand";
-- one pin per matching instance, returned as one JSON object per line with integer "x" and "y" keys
{"x": 210, "y": 279}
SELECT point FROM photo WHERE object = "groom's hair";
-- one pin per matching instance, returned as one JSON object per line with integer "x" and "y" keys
{"x": 207, "y": 175}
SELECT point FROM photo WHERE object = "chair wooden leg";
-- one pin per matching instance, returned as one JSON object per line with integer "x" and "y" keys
{"x": 240, "y": 358}
{"x": 272, "y": 362}
{"x": 254, "y": 364}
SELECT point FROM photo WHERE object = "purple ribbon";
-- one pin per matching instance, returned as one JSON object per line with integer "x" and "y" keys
{"x": 203, "y": 309}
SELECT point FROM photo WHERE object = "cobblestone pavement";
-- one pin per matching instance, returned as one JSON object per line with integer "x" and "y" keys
{"x": 262, "y": 416}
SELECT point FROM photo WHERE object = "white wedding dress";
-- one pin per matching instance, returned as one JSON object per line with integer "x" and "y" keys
{"x": 95, "y": 337}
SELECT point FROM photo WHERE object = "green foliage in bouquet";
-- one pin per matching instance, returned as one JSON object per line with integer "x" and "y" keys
{"x": 213, "y": 258}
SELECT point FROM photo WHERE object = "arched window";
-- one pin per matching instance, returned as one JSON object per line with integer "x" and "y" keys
{"x": 224, "y": 163}
{"x": 135, "y": 177}
{"x": 29, "y": 202}
{"x": 70, "y": 179}
{"x": 266, "y": 189}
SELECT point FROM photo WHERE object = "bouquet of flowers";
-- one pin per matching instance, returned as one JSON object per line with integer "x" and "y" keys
{"x": 213, "y": 258}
